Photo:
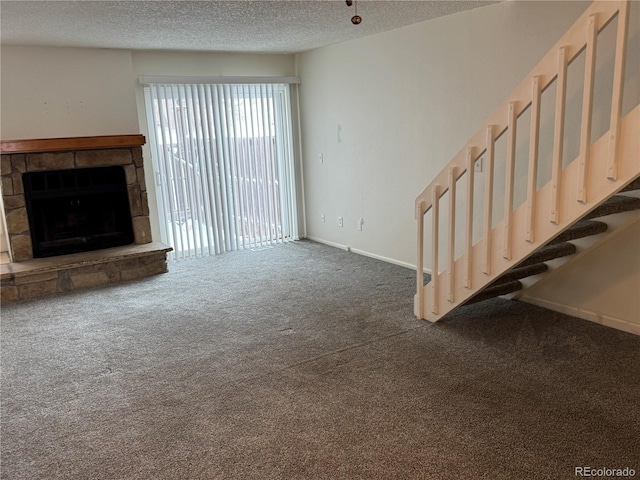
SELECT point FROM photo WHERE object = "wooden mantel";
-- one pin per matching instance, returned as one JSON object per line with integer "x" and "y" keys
{"x": 71, "y": 143}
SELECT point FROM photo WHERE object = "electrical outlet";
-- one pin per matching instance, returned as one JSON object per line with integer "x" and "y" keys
{"x": 340, "y": 222}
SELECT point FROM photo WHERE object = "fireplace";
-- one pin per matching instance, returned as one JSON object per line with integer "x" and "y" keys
{"x": 76, "y": 215}
{"x": 84, "y": 170}
{"x": 79, "y": 210}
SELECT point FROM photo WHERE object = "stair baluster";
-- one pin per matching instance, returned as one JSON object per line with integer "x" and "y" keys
{"x": 488, "y": 201}
{"x": 558, "y": 133}
{"x": 587, "y": 106}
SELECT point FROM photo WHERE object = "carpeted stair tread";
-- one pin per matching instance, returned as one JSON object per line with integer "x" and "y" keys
{"x": 635, "y": 185}
{"x": 495, "y": 291}
{"x": 616, "y": 204}
{"x": 560, "y": 246}
{"x": 550, "y": 252}
{"x": 521, "y": 272}
{"x": 582, "y": 229}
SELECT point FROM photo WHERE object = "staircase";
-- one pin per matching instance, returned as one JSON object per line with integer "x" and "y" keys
{"x": 492, "y": 256}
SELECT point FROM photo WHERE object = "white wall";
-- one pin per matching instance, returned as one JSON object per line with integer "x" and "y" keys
{"x": 66, "y": 92}
{"x": 390, "y": 110}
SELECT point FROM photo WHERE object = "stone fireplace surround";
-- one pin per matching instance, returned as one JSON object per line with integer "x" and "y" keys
{"x": 25, "y": 277}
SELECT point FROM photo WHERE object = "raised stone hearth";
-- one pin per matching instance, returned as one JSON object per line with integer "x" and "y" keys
{"x": 28, "y": 277}
{"x": 45, "y": 276}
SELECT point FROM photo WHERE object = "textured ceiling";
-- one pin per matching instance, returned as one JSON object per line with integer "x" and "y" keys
{"x": 218, "y": 26}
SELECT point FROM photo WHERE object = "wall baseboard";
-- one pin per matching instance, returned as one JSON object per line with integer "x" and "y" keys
{"x": 327, "y": 242}
{"x": 365, "y": 253}
{"x": 605, "y": 320}
{"x": 384, "y": 259}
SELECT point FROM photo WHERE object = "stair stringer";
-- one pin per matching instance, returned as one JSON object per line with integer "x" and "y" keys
{"x": 438, "y": 300}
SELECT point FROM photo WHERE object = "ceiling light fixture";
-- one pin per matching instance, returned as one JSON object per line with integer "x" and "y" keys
{"x": 356, "y": 19}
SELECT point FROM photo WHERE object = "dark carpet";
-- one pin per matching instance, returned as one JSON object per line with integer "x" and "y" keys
{"x": 305, "y": 362}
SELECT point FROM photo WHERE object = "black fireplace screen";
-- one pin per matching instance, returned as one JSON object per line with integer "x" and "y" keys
{"x": 77, "y": 210}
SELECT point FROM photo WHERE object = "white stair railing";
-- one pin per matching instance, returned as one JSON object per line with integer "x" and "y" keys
{"x": 600, "y": 169}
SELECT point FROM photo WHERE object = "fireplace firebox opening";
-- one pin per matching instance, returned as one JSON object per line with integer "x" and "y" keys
{"x": 77, "y": 210}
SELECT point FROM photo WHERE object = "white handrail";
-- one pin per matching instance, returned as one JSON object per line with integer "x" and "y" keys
{"x": 479, "y": 266}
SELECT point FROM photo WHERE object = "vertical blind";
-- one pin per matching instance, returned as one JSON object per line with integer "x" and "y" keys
{"x": 223, "y": 159}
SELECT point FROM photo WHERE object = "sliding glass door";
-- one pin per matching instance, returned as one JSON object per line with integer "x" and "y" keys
{"x": 223, "y": 161}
